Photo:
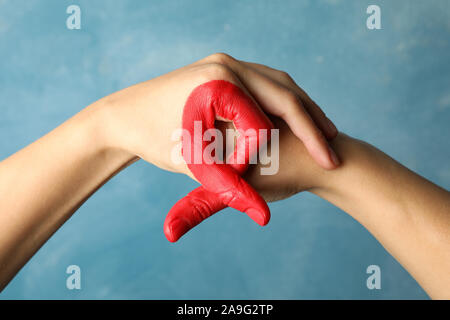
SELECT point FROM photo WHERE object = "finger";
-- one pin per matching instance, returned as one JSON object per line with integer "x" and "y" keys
{"x": 282, "y": 102}
{"x": 200, "y": 203}
{"x": 192, "y": 209}
{"x": 322, "y": 121}
{"x": 226, "y": 100}
{"x": 189, "y": 211}
{"x": 304, "y": 128}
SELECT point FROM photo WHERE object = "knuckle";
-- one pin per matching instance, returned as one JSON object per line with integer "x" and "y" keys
{"x": 214, "y": 71}
{"x": 293, "y": 103}
{"x": 220, "y": 57}
{"x": 285, "y": 76}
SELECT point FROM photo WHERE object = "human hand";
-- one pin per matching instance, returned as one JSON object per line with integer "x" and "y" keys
{"x": 297, "y": 171}
{"x": 139, "y": 114}
{"x": 141, "y": 119}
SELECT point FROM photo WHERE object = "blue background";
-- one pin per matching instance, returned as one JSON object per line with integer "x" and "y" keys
{"x": 389, "y": 87}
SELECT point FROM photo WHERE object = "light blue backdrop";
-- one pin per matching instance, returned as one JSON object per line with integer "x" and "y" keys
{"x": 389, "y": 87}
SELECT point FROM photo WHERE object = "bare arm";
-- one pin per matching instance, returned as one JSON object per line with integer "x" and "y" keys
{"x": 409, "y": 215}
{"x": 42, "y": 185}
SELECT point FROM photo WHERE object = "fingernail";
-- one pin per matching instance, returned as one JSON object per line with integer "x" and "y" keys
{"x": 332, "y": 126}
{"x": 333, "y": 156}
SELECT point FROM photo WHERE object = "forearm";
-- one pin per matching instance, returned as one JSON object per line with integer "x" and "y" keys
{"x": 42, "y": 185}
{"x": 409, "y": 215}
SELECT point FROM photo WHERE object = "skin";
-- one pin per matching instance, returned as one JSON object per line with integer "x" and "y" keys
{"x": 407, "y": 214}
{"x": 42, "y": 185}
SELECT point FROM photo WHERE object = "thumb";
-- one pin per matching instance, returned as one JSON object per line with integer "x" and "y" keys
{"x": 189, "y": 211}
{"x": 200, "y": 204}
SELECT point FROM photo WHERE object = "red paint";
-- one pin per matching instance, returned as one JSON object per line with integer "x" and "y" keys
{"x": 222, "y": 184}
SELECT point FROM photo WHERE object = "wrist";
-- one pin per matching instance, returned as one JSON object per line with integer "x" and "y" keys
{"x": 332, "y": 183}
{"x": 100, "y": 133}
{"x": 363, "y": 183}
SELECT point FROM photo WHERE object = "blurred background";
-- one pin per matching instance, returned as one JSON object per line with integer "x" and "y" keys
{"x": 389, "y": 87}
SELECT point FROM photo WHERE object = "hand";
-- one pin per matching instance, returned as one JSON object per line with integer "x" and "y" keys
{"x": 140, "y": 114}
{"x": 297, "y": 171}
{"x": 58, "y": 172}
{"x": 141, "y": 119}
{"x": 409, "y": 215}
